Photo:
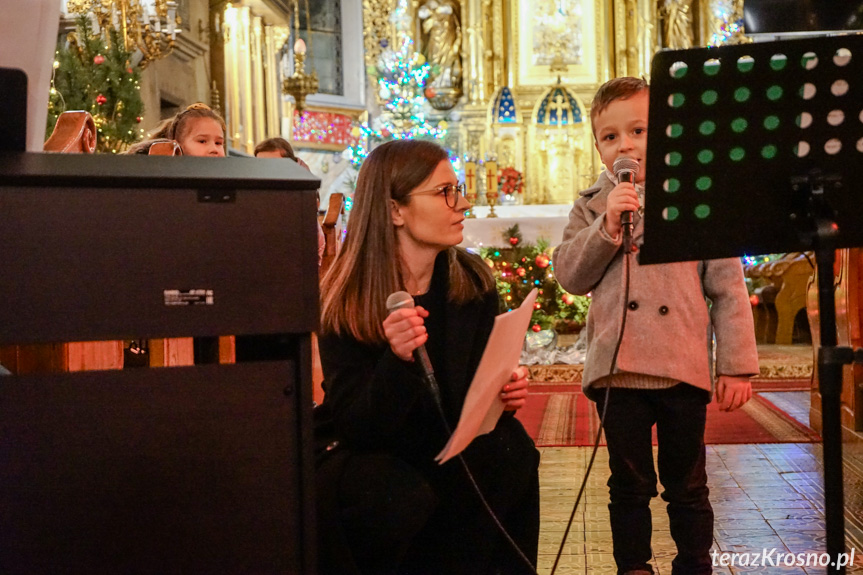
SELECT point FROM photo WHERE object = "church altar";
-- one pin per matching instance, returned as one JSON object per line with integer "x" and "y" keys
{"x": 534, "y": 222}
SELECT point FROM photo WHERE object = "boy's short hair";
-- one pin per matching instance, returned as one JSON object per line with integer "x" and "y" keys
{"x": 616, "y": 89}
{"x": 276, "y": 145}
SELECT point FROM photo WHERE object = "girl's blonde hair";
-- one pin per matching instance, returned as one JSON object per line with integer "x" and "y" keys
{"x": 367, "y": 270}
{"x": 177, "y": 127}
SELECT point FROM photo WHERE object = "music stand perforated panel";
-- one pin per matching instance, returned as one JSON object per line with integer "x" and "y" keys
{"x": 730, "y": 127}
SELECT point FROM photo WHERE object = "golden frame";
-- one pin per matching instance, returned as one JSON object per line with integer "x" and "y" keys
{"x": 596, "y": 46}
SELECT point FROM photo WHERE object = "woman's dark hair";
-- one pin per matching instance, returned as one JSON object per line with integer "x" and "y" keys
{"x": 276, "y": 145}
{"x": 367, "y": 269}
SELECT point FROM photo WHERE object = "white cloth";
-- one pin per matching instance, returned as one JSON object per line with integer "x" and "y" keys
{"x": 535, "y": 221}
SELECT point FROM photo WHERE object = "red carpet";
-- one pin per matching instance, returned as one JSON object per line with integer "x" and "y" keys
{"x": 560, "y": 415}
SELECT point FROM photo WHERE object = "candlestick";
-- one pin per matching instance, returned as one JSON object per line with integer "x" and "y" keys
{"x": 470, "y": 184}
{"x": 491, "y": 191}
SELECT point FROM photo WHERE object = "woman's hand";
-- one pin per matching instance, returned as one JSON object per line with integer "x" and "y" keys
{"x": 514, "y": 393}
{"x": 405, "y": 331}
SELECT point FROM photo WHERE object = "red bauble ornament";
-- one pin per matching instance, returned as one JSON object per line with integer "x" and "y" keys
{"x": 139, "y": 119}
{"x": 129, "y": 70}
{"x": 100, "y": 99}
{"x": 513, "y": 241}
{"x": 521, "y": 272}
{"x": 568, "y": 298}
{"x": 430, "y": 93}
{"x": 537, "y": 306}
{"x": 98, "y": 59}
{"x": 541, "y": 261}
{"x": 536, "y": 327}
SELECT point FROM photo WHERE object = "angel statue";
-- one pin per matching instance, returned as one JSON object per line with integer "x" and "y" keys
{"x": 441, "y": 46}
{"x": 677, "y": 24}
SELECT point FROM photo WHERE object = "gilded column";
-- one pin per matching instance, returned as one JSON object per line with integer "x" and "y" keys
{"x": 231, "y": 93}
{"x": 634, "y": 36}
{"x": 259, "y": 88}
{"x": 474, "y": 46}
{"x": 499, "y": 45}
{"x": 217, "y": 47}
{"x": 377, "y": 30}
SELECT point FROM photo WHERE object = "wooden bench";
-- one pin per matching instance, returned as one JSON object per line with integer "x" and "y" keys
{"x": 781, "y": 299}
{"x": 333, "y": 225}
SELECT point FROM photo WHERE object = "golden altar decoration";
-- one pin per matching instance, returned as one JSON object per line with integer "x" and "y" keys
{"x": 506, "y": 130}
{"x": 524, "y": 50}
{"x": 147, "y": 27}
{"x": 562, "y": 154}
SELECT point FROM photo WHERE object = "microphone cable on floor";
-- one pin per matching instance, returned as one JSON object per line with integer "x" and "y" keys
{"x": 626, "y": 264}
{"x": 402, "y": 299}
{"x": 435, "y": 392}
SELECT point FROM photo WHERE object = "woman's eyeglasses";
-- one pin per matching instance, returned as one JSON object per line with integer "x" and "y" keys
{"x": 451, "y": 193}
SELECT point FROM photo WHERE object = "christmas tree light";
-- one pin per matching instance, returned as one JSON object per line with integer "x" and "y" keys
{"x": 401, "y": 76}
{"x": 524, "y": 266}
{"x": 94, "y": 73}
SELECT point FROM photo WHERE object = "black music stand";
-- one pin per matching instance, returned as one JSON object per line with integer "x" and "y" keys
{"x": 758, "y": 148}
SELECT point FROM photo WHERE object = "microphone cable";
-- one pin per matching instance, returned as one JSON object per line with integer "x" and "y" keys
{"x": 626, "y": 265}
{"x": 435, "y": 392}
{"x": 396, "y": 301}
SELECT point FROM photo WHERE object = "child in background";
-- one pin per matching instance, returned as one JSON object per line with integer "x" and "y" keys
{"x": 281, "y": 148}
{"x": 663, "y": 368}
{"x": 198, "y": 129}
{"x": 200, "y": 132}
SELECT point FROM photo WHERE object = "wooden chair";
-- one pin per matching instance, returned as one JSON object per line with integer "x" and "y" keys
{"x": 782, "y": 297}
{"x": 332, "y": 224}
{"x": 165, "y": 148}
{"x": 74, "y": 133}
{"x": 794, "y": 269}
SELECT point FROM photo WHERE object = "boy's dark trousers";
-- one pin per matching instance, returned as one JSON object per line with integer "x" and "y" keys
{"x": 679, "y": 414}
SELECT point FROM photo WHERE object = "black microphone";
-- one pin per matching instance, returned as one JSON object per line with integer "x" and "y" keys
{"x": 402, "y": 299}
{"x": 624, "y": 169}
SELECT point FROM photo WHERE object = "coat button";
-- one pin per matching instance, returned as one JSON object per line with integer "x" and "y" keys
{"x": 633, "y": 305}
{"x": 663, "y": 310}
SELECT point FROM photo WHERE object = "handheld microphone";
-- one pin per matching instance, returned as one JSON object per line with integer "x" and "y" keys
{"x": 624, "y": 169}
{"x": 402, "y": 299}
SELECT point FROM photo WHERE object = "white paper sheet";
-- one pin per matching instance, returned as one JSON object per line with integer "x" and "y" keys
{"x": 483, "y": 405}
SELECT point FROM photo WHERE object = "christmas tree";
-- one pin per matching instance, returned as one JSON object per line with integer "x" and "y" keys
{"x": 93, "y": 72}
{"x": 523, "y": 266}
{"x": 401, "y": 76}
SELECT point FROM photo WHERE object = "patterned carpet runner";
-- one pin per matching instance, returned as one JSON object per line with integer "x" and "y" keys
{"x": 560, "y": 415}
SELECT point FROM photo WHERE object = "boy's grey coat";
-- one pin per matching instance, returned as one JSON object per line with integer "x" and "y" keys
{"x": 668, "y": 324}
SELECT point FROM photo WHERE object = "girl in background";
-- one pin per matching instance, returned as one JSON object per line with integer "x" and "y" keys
{"x": 198, "y": 129}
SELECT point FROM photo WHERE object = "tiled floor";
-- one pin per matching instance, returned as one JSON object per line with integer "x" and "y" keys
{"x": 764, "y": 496}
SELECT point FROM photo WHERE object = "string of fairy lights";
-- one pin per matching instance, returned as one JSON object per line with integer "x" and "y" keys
{"x": 401, "y": 77}
{"x": 93, "y": 71}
